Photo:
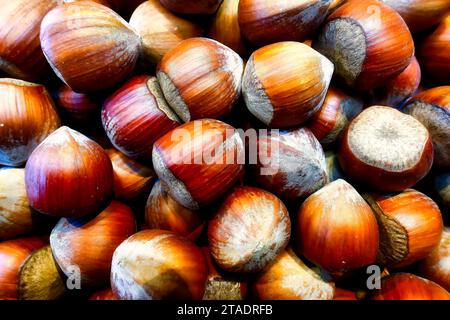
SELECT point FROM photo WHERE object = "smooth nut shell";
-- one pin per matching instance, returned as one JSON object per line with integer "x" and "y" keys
{"x": 89, "y": 243}
{"x": 225, "y": 27}
{"x": 249, "y": 230}
{"x": 276, "y": 88}
{"x": 288, "y": 278}
{"x": 20, "y": 47}
{"x": 367, "y": 41}
{"x": 131, "y": 179}
{"x": 410, "y": 226}
{"x": 27, "y": 117}
{"x": 201, "y": 78}
{"x": 136, "y": 115}
{"x": 15, "y": 212}
{"x": 164, "y": 213}
{"x": 405, "y": 286}
{"x": 162, "y": 32}
{"x": 336, "y": 229}
{"x": 89, "y": 46}
{"x": 68, "y": 175}
{"x": 199, "y": 161}
{"x": 155, "y": 265}
{"x": 290, "y": 163}
{"x": 265, "y": 21}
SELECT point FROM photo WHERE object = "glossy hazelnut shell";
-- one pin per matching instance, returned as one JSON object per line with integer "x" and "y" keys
{"x": 332, "y": 119}
{"x": 162, "y": 32}
{"x": 405, "y": 286}
{"x": 420, "y": 15}
{"x": 131, "y": 179}
{"x": 264, "y": 22}
{"x": 91, "y": 53}
{"x": 432, "y": 52}
{"x": 225, "y": 27}
{"x": 249, "y": 230}
{"x": 410, "y": 226}
{"x": 400, "y": 89}
{"x": 68, "y": 175}
{"x": 164, "y": 213}
{"x": 432, "y": 108}
{"x": 435, "y": 266}
{"x": 27, "y": 117}
{"x": 180, "y": 159}
{"x": 158, "y": 265}
{"x": 136, "y": 115}
{"x": 103, "y": 295}
{"x": 20, "y": 47}
{"x": 201, "y": 78}
{"x": 367, "y": 41}
{"x": 291, "y": 164}
{"x": 89, "y": 243}
{"x": 276, "y": 89}
{"x": 288, "y": 278}
{"x": 336, "y": 229}
{"x": 16, "y": 217}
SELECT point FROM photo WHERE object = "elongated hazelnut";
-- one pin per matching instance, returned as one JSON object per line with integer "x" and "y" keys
{"x": 249, "y": 230}
{"x": 336, "y": 229}
{"x": 68, "y": 175}
{"x": 89, "y": 46}
{"x": 13, "y": 254}
{"x": 406, "y": 286}
{"x": 162, "y": 32}
{"x": 192, "y": 6}
{"x": 276, "y": 89}
{"x": 265, "y": 21}
{"x": 225, "y": 27}
{"x": 201, "y": 78}
{"x": 432, "y": 52}
{"x": 332, "y": 119}
{"x": 157, "y": 265}
{"x": 386, "y": 149}
{"x": 420, "y": 15}
{"x": 400, "y": 89}
{"x": 222, "y": 285}
{"x": 136, "y": 115}
{"x": 164, "y": 213}
{"x": 41, "y": 278}
{"x": 410, "y": 227}
{"x": 288, "y": 278}
{"x": 368, "y": 42}
{"x": 79, "y": 108}
{"x": 20, "y": 47}
{"x": 27, "y": 117}
{"x": 131, "y": 179}
{"x": 432, "y": 109}
{"x": 15, "y": 213}
{"x": 342, "y": 294}
{"x": 88, "y": 243}
{"x": 290, "y": 163}
{"x": 199, "y": 161}
{"x": 436, "y": 266}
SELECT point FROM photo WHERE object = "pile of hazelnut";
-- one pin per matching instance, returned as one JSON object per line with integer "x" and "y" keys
{"x": 224, "y": 149}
